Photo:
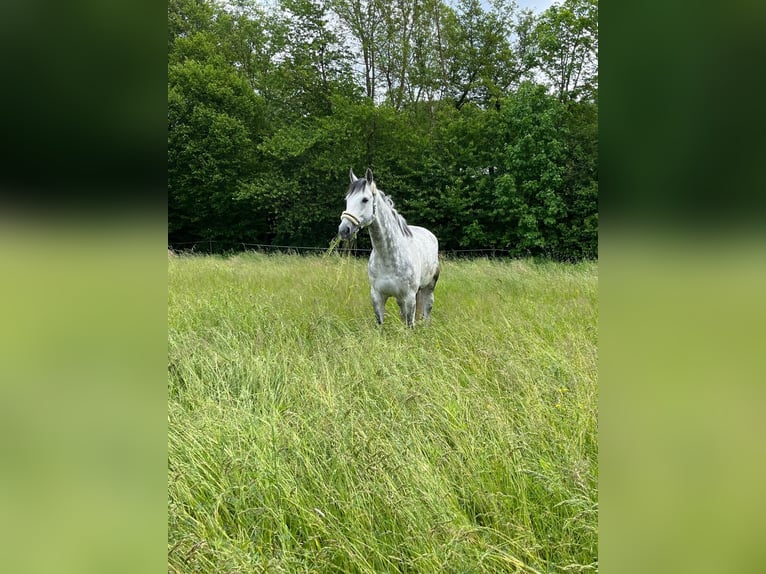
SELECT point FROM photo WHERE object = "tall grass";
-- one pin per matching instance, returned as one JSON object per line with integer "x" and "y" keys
{"x": 305, "y": 438}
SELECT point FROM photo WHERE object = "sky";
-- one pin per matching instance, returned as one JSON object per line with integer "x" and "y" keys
{"x": 535, "y": 5}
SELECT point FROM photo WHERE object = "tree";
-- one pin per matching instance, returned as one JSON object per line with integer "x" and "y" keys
{"x": 480, "y": 60}
{"x": 186, "y": 17}
{"x": 566, "y": 39}
{"x": 213, "y": 124}
{"x": 528, "y": 203}
{"x": 313, "y": 62}
{"x": 398, "y": 21}
{"x": 215, "y": 120}
{"x": 362, "y": 18}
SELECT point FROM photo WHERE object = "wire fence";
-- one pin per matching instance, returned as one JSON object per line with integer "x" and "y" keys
{"x": 211, "y": 246}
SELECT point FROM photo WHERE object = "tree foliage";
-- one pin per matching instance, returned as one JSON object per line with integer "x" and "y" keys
{"x": 481, "y": 123}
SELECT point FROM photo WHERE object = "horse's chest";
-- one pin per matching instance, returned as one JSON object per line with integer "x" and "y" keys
{"x": 392, "y": 278}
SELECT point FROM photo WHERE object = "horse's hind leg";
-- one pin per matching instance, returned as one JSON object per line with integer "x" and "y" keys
{"x": 427, "y": 296}
{"x": 419, "y": 304}
{"x": 428, "y": 302}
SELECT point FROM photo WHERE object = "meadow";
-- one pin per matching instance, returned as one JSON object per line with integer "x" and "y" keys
{"x": 302, "y": 437}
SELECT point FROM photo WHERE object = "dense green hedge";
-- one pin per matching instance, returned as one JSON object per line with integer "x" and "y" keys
{"x": 266, "y": 115}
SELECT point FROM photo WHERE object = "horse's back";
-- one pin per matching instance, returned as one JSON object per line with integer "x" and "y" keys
{"x": 425, "y": 239}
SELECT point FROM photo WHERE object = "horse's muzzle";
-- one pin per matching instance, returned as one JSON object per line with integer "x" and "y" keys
{"x": 346, "y": 229}
{"x": 349, "y": 224}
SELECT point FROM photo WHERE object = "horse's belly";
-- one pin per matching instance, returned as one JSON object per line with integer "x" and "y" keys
{"x": 391, "y": 286}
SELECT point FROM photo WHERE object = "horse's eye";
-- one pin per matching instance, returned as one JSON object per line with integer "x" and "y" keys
{"x": 365, "y": 200}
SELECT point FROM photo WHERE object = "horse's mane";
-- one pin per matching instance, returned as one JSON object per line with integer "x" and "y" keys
{"x": 397, "y": 216}
{"x": 360, "y": 184}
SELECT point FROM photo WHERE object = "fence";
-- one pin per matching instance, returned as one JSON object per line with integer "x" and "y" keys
{"x": 214, "y": 246}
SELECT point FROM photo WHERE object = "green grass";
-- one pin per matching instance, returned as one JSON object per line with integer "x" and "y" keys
{"x": 304, "y": 438}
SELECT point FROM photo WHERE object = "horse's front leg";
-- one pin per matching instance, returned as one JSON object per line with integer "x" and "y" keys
{"x": 378, "y": 305}
{"x": 407, "y": 306}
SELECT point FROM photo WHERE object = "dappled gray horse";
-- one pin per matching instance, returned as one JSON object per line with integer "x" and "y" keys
{"x": 404, "y": 262}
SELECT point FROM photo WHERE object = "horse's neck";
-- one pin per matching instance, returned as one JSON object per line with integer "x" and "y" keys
{"x": 385, "y": 233}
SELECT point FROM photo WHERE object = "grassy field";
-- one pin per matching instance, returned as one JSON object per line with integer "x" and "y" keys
{"x": 304, "y": 438}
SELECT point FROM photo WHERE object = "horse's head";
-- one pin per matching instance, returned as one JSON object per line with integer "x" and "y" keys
{"x": 360, "y": 205}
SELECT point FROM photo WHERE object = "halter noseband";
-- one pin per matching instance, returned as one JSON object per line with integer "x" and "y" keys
{"x": 353, "y": 218}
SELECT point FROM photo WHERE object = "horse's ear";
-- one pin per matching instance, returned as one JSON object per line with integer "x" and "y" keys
{"x": 369, "y": 175}
{"x": 351, "y": 175}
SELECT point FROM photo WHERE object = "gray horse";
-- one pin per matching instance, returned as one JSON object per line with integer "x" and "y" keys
{"x": 404, "y": 262}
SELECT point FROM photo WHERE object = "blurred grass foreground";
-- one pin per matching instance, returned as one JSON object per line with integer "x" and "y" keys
{"x": 82, "y": 396}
